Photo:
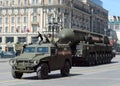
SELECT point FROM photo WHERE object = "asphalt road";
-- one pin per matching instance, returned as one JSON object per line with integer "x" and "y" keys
{"x": 101, "y": 75}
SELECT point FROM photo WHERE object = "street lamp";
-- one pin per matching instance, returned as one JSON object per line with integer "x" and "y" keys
{"x": 105, "y": 31}
{"x": 91, "y": 20}
{"x": 53, "y": 27}
{"x": 70, "y": 15}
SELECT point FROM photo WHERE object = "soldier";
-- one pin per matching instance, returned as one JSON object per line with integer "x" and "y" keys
{"x": 44, "y": 38}
{"x": 18, "y": 48}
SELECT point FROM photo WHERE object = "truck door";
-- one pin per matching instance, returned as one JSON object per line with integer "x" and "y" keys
{"x": 54, "y": 59}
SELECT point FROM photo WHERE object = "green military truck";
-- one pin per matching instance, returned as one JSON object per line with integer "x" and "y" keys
{"x": 88, "y": 48}
{"x": 42, "y": 59}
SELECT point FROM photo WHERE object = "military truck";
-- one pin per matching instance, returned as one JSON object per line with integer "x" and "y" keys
{"x": 42, "y": 58}
{"x": 87, "y": 48}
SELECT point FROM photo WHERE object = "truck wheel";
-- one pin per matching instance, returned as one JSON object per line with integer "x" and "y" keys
{"x": 42, "y": 71}
{"x": 16, "y": 75}
{"x": 66, "y": 69}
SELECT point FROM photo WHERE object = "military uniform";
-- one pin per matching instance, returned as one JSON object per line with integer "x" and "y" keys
{"x": 18, "y": 48}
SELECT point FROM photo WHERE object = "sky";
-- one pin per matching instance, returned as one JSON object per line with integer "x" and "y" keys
{"x": 113, "y": 7}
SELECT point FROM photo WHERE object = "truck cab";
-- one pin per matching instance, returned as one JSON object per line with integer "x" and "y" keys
{"x": 42, "y": 59}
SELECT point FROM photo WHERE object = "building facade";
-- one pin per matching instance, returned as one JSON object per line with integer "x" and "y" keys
{"x": 98, "y": 17}
{"x": 114, "y": 24}
{"x": 20, "y": 20}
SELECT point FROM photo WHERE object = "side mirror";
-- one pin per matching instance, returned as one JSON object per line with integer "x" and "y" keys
{"x": 54, "y": 52}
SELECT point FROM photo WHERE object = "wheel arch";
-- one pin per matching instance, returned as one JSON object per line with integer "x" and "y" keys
{"x": 41, "y": 62}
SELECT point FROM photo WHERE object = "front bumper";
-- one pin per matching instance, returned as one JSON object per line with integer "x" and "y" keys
{"x": 24, "y": 69}
{"x": 24, "y": 66}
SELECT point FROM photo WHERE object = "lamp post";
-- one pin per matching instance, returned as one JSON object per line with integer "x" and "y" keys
{"x": 53, "y": 27}
{"x": 105, "y": 31}
{"x": 70, "y": 15}
{"x": 91, "y": 20}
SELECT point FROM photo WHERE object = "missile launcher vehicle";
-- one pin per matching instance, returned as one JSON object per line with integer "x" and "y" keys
{"x": 87, "y": 48}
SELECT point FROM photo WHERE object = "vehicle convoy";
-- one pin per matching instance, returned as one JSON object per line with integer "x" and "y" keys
{"x": 87, "y": 48}
{"x": 42, "y": 58}
{"x": 74, "y": 47}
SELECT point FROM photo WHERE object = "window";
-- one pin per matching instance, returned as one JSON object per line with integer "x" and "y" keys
{"x": 37, "y": 2}
{"x": 6, "y": 3}
{"x": 0, "y": 29}
{"x": 42, "y": 49}
{"x": 35, "y": 19}
{"x": 25, "y": 20}
{"x": 6, "y": 29}
{"x": 34, "y": 28}
{"x": 6, "y": 20}
{"x": 10, "y": 49}
{"x": 26, "y": 2}
{"x": 1, "y": 3}
{"x": 21, "y": 39}
{"x": 58, "y": 1}
{"x": 0, "y": 20}
{"x": 12, "y": 20}
{"x": 25, "y": 10}
{"x": 29, "y": 49}
{"x": 0, "y": 10}
{"x": 6, "y": 11}
{"x": 19, "y": 2}
{"x": 12, "y": 10}
{"x": 0, "y": 39}
{"x": 18, "y": 19}
{"x": 9, "y": 39}
{"x": 18, "y": 28}
{"x": 33, "y": 1}
{"x": 34, "y": 39}
{"x": 49, "y": 1}
{"x": 18, "y": 11}
{"x": 24, "y": 29}
{"x": 12, "y": 29}
{"x": 13, "y": 2}
{"x": 34, "y": 10}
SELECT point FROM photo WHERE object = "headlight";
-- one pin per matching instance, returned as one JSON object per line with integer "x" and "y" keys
{"x": 12, "y": 62}
{"x": 36, "y": 62}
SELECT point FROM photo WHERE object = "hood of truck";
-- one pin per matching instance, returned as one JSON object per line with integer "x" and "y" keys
{"x": 28, "y": 56}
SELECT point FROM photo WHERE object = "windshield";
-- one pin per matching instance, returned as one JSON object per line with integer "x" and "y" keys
{"x": 42, "y": 49}
{"x": 29, "y": 49}
{"x": 33, "y": 50}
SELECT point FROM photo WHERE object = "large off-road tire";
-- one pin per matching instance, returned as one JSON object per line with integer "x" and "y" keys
{"x": 42, "y": 71}
{"x": 66, "y": 69}
{"x": 16, "y": 75}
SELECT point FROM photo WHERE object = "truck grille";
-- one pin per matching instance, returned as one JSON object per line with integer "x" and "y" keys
{"x": 24, "y": 63}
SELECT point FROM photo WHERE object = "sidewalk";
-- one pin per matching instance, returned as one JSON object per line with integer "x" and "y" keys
{"x": 4, "y": 59}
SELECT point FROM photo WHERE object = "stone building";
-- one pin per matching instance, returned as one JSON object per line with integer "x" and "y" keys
{"x": 20, "y": 20}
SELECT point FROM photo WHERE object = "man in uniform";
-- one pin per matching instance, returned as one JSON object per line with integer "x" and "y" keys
{"x": 18, "y": 48}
